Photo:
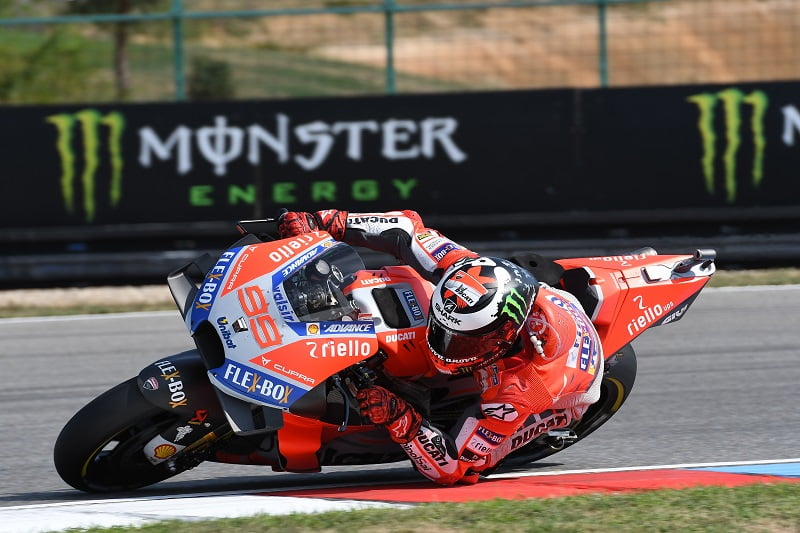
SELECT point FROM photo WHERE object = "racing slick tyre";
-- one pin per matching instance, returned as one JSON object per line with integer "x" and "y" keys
{"x": 100, "y": 448}
{"x": 618, "y": 379}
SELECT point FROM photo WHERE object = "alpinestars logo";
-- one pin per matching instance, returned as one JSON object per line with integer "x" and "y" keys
{"x": 733, "y": 102}
{"x": 88, "y": 126}
{"x": 500, "y": 411}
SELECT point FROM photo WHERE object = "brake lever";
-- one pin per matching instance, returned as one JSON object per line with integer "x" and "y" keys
{"x": 337, "y": 382}
{"x": 358, "y": 378}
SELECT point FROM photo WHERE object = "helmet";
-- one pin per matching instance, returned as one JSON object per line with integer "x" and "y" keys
{"x": 477, "y": 311}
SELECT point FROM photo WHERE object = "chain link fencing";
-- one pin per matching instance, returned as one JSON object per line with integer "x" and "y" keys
{"x": 166, "y": 50}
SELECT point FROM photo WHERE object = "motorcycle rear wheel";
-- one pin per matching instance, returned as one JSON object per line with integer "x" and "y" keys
{"x": 618, "y": 380}
{"x": 100, "y": 448}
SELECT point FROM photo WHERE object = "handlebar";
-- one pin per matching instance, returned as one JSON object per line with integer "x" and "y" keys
{"x": 701, "y": 256}
{"x": 265, "y": 229}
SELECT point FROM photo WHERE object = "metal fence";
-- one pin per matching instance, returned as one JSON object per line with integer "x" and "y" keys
{"x": 59, "y": 52}
{"x": 56, "y": 52}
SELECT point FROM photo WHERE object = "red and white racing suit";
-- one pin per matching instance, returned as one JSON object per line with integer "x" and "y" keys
{"x": 547, "y": 380}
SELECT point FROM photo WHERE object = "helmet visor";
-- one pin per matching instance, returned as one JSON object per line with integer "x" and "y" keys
{"x": 456, "y": 350}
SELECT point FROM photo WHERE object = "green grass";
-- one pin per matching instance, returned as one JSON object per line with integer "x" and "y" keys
{"x": 765, "y": 507}
{"x": 739, "y": 278}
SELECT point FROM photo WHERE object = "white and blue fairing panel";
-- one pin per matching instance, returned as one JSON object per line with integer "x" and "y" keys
{"x": 272, "y": 356}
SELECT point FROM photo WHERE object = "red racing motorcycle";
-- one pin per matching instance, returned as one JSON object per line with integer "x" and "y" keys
{"x": 287, "y": 331}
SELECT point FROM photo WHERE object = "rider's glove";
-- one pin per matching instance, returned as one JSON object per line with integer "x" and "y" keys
{"x": 294, "y": 223}
{"x": 333, "y": 221}
{"x": 384, "y": 408}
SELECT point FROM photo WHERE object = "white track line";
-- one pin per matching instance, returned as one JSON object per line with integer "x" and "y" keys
{"x": 650, "y": 467}
{"x": 61, "y": 516}
{"x": 138, "y": 512}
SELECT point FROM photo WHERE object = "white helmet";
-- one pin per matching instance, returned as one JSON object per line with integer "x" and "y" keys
{"x": 477, "y": 311}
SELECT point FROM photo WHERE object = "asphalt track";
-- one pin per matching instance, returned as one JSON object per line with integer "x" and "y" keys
{"x": 719, "y": 386}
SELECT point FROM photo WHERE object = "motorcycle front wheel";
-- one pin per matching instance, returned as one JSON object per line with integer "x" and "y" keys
{"x": 100, "y": 448}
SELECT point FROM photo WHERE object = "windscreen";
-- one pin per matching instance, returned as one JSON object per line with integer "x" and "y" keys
{"x": 315, "y": 290}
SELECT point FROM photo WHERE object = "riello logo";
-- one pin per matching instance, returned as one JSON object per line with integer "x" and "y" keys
{"x": 93, "y": 135}
{"x": 735, "y": 131}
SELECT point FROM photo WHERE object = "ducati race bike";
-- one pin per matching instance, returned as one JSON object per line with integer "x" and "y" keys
{"x": 288, "y": 331}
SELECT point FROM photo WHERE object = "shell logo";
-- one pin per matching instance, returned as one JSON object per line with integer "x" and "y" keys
{"x": 163, "y": 451}
{"x": 313, "y": 329}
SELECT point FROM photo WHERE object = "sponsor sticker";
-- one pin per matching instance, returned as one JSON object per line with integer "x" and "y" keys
{"x": 262, "y": 387}
{"x": 159, "y": 449}
{"x": 207, "y": 291}
{"x": 400, "y": 336}
{"x": 171, "y": 376}
{"x": 200, "y": 417}
{"x": 488, "y": 377}
{"x": 227, "y": 334}
{"x": 355, "y": 220}
{"x": 478, "y": 445}
{"x": 490, "y": 436}
{"x": 354, "y": 328}
{"x": 500, "y": 411}
{"x": 348, "y": 327}
{"x": 328, "y": 348}
{"x": 442, "y": 251}
{"x": 182, "y": 432}
{"x": 375, "y": 281}
{"x": 413, "y": 305}
{"x": 586, "y": 347}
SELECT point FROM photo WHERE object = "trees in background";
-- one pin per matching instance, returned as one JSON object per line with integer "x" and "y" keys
{"x": 122, "y": 78}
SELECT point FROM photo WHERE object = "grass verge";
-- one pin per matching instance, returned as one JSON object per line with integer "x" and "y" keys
{"x": 763, "y": 507}
{"x": 739, "y": 278}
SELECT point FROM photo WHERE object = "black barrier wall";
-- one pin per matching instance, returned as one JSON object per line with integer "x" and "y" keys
{"x": 715, "y": 149}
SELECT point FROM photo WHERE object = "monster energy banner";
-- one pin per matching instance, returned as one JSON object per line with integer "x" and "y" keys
{"x": 553, "y": 151}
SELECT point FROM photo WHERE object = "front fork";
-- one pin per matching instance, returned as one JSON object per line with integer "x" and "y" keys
{"x": 179, "y": 385}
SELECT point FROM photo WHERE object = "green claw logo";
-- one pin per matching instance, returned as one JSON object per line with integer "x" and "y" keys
{"x": 514, "y": 306}
{"x": 733, "y": 100}
{"x": 90, "y": 122}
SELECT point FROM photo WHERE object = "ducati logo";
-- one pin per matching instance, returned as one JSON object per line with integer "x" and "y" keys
{"x": 465, "y": 288}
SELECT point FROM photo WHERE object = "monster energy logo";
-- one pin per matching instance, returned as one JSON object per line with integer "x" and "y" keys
{"x": 514, "y": 306}
{"x": 732, "y": 102}
{"x": 90, "y": 122}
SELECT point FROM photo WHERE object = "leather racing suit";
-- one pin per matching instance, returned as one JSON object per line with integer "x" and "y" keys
{"x": 546, "y": 381}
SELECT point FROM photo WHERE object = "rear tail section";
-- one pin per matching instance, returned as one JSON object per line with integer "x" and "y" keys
{"x": 627, "y": 294}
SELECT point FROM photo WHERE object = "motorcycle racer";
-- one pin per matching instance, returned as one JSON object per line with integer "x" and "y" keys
{"x": 531, "y": 348}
